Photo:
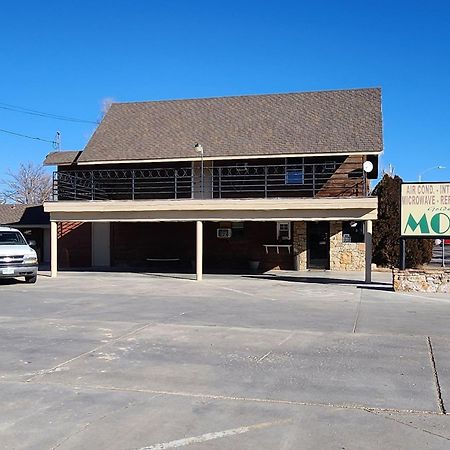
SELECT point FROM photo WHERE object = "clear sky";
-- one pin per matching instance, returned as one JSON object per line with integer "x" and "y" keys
{"x": 67, "y": 57}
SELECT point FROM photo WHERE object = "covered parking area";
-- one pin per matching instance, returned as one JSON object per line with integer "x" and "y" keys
{"x": 204, "y": 211}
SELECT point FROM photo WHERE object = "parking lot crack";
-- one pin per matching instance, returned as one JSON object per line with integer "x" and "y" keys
{"x": 99, "y": 347}
{"x": 410, "y": 425}
{"x": 278, "y": 345}
{"x": 358, "y": 308}
{"x": 437, "y": 385}
{"x": 98, "y": 419}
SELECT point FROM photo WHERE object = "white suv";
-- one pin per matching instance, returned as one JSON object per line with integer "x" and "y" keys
{"x": 17, "y": 258}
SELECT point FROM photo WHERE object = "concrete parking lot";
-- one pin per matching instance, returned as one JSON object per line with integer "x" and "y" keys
{"x": 277, "y": 361}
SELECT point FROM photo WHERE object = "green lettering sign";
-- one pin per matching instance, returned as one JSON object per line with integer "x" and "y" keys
{"x": 440, "y": 223}
{"x": 422, "y": 224}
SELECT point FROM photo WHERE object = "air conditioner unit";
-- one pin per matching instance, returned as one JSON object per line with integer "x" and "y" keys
{"x": 224, "y": 233}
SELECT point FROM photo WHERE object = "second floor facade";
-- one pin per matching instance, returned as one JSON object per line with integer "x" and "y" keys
{"x": 333, "y": 176}
{"x": 307, "y": 145}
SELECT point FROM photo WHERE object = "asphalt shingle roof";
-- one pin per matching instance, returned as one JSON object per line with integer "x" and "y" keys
{"x": 342, "y": 121}
{"x": 23, "y": 215}
{"x": 57, "y": 158}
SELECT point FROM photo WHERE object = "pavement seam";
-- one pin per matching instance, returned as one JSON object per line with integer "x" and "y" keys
{"x": 244, "y": 399}
{"x": 355, "y": 323}
{"x": 408, "y": 425}
{"x": 278, "y": 345}
{"x": 437, "y": 385}
{"x": 129, "y": 333}
{"x": 95, "y": 420}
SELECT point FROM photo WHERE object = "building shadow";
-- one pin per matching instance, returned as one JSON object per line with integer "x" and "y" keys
{"x": 320, "y": 280}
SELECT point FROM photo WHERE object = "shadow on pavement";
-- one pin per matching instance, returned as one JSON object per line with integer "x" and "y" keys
{"x": 316, "y": 280}
{"x": 386, "y": 287}
{"x": 11, "y": 281}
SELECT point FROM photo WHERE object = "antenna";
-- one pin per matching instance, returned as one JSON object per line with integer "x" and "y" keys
{"x": 57, "y": 141}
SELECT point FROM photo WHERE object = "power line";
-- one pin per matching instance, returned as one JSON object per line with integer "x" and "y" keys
{"x": 28, "y": 137}
{"x": 34, "y": 112}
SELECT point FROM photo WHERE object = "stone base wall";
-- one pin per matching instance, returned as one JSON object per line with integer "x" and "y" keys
{"x": 414, "y": 280}
{"x": 345, "y": 255}
{"x": 299, "y": 245}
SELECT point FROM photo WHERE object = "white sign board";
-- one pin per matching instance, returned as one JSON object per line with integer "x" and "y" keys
{"x": 425, "y": 210}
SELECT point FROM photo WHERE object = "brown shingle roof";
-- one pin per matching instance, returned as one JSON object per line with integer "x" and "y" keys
{"x": 23, "y": 215}
{"x": 61, "y": 158}
{"x": 342, "y": 121}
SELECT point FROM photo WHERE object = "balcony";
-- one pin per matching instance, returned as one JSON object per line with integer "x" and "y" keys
{"x": 239, "y": 180}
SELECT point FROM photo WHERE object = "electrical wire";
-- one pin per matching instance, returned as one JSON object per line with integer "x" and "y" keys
{"x": 33, "y": 112}
{"x": 28, "y": 137}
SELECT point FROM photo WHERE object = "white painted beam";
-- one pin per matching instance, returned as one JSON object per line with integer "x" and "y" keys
{"x": 54, "y": 248}
{"x": 368, "y": 242}
{"x": 199, "y": 251}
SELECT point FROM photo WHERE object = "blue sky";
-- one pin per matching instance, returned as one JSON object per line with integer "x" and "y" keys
{"x": 66, "y": 57}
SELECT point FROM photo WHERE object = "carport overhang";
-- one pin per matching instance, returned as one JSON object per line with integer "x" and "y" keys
{"x": 201, "y": 210}
{"x": 360, "y": 208}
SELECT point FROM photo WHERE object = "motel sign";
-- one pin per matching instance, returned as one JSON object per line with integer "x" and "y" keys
{"x": 425, "y": 210}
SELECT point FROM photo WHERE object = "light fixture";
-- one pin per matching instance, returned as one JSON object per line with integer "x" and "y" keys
{"x": 199, "y": 149}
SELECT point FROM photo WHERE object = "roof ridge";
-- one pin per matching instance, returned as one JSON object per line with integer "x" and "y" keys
{"x": 271, "y": 94}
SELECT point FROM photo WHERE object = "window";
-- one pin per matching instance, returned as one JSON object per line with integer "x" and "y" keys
{"x": 11, "y": 238}
{"x": 283, "y": 231}
{"x": 238, "y": 229}
{"x": 294, "y": 176}
{"x": 352, "y": 231}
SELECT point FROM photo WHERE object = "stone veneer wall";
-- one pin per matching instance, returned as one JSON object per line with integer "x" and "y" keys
{"x": 415, "y": 280}
{"x": 299, "y": 245}
{"x": 345, "y": 255}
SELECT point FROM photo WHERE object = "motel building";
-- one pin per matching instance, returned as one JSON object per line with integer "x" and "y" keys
{"x": 222, "y": 185}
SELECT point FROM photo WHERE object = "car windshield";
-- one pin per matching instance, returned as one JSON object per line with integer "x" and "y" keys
{"x": 11, "y": 238}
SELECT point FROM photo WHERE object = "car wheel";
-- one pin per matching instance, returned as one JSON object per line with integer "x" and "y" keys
{"x": 31, "y": 279}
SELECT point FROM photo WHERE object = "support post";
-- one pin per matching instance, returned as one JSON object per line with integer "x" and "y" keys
{"x": 199, "y": 252}
{"x": 54, "y": 248}
{"x": 402, "y": 254}
{"x": 368, "y": 242}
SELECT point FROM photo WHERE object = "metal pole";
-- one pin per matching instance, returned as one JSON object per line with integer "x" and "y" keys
{"x": 176, "y": 184}
{"x": 92, "y": 185}
{"x": 402, "y": 254}
{"x": 443, "y": 252}
{"x": 314, "y": 179}
{"x": 202, "y": 177}
{"x": 265, "y": 181}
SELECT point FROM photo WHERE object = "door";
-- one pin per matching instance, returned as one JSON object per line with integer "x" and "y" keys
{"x": 318, "y": 240}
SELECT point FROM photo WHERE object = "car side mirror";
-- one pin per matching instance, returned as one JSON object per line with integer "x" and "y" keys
{"x": 32, "y": 243}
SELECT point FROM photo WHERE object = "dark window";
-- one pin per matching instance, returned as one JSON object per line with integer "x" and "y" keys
{"x": 353, "y": 231}
{"x": 238, "y": 230}
{"x": 11, "y": 238}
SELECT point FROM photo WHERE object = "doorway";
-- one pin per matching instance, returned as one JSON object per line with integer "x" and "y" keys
{"x": 318, "y": 241}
